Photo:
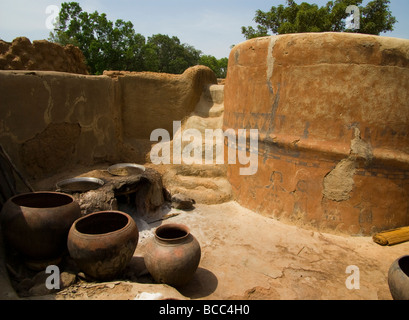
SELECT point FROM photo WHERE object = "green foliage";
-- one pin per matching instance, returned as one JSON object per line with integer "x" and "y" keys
{"x": 219, "y": 66}
{"x": 106, "y": 46}
{"x": 166, "y": 54}
{"x": 109, "y": 46}
{"x": 294, "y": 18}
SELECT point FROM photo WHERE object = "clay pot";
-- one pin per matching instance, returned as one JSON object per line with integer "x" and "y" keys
{"x": 398, "y": 279}
{"x": 102, "y": 243}
{"x": 173, "y": 255}
{"x": 36, "y": 224}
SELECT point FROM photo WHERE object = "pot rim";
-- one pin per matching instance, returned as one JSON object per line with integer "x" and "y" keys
{"x": 11, "y": 200}
{"x": 173, "y": 225}
{"x": 107, "y": 234}
{"x": 404, "y": 270}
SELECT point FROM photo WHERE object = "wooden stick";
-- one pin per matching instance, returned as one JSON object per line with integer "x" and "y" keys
{"x": 15, "y": 169}
{"x": 6, "y": 178}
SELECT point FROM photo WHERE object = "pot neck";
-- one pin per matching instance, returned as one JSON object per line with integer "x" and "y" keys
{"x": 172, "y": 241}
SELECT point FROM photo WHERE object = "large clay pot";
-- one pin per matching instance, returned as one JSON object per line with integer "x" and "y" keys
{"x": 102, "y": 243}
{"x": 36, "y": 224}
{"x": 173, "y": 255}
{"x": 398, "y": 279}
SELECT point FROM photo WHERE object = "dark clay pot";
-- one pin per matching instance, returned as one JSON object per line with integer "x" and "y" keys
{"x": 103, "y": 243}
{"x": 173, "y": 255}
{"x": 398, "y": 279}
{"x": 36, "y": 224}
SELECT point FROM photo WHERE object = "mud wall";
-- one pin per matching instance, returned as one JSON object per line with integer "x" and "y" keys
{"x": 21, "y": 54}
{"x": 151, "y": 101}
{"x": 156, "y": 94}
{"x": 51, "y": 121}
{"x": 332, "y": 112}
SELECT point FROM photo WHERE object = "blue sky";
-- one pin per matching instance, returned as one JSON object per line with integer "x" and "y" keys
{"x": 211, "y": 26}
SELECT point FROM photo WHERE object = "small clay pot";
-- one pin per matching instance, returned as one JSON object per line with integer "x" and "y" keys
{"x": 102, "y": 243}
{"x": 398, "y": 278}
{"x": 173, "y": 255}
{"x": 37, "y": 224}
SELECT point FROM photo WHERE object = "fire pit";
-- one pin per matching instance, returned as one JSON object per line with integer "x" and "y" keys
{"x": 99, "y": 190}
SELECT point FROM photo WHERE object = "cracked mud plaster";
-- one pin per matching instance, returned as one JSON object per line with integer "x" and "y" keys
{"x": 339, "y": 183}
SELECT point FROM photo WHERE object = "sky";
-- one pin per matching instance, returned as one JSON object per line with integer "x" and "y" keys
{"x": 211, "y": 26}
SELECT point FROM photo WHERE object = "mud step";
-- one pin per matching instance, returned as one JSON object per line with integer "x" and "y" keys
{"x": 204, "y": 171}
{"x": 200, "y": 153}
{"x": 211, "y": 102}
{"x": 201, "y": 189}
{"x": 205, "y": 183}
{"x": 202, "y": 123}
{"x": 214, "y": 93}
{"x": 209, "y": 110}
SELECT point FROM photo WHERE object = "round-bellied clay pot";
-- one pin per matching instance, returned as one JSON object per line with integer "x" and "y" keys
{"x": 398, "y": 278}
{"x": 36, "y": 224}
{"x": 102, "y": 243}
{"x": 173, "y": 255}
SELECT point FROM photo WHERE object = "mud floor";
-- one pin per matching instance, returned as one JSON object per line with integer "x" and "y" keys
{"x": 248, "y": 256}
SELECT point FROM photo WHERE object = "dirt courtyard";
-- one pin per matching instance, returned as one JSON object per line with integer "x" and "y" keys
{"x": 249, "y": 256}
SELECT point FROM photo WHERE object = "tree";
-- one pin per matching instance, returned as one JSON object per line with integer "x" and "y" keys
{"x": 116, "y": 46}
{"x": 377, "y": 18}
{"x": 106, "y": 46}
{"x": 166, "y": 54}
{"x": 219, "y": 66}
{"x": 294, "y": 18}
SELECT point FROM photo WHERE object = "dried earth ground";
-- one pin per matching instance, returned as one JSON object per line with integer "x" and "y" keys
{"x": 249, "y": 256}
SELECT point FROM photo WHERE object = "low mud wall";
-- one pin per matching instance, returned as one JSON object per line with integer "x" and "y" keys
{"x": 51, "y": 121}
{"x": 332, "y": 112}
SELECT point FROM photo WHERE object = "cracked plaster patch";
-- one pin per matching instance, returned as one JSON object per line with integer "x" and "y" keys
{"x": 339, "y": 183}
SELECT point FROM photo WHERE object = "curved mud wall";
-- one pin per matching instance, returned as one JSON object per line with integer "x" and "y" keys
{"x": 51, "y": 121}
{"x": 21, "y": 54}
{"x": 332, "y": 112}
